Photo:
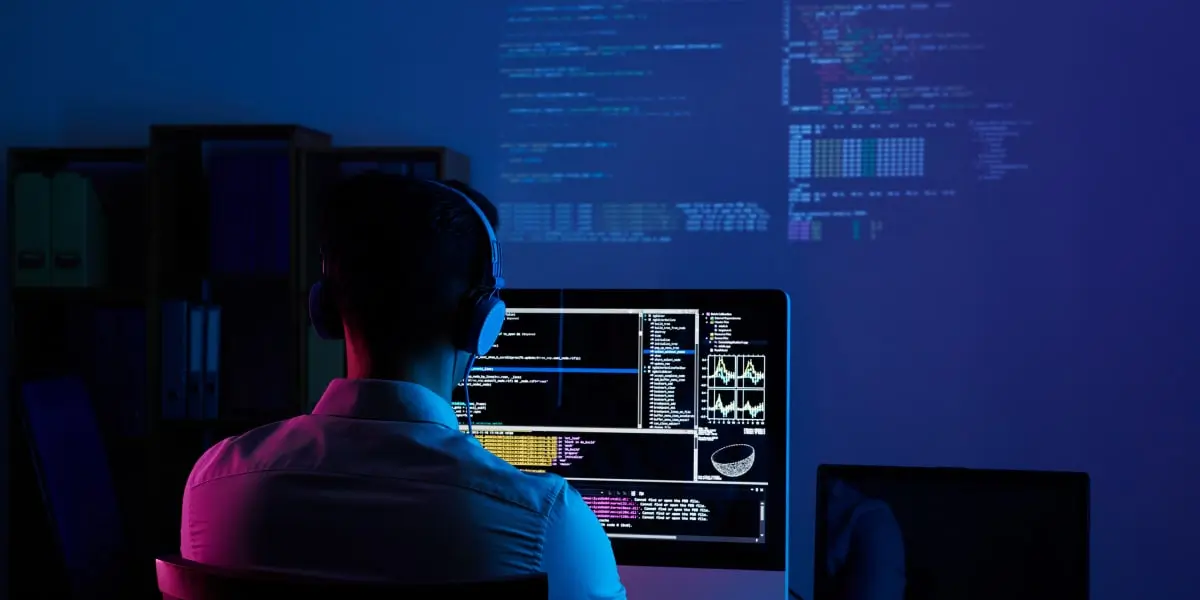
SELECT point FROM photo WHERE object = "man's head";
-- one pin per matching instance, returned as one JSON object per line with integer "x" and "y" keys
{"x": 400, "y": 255}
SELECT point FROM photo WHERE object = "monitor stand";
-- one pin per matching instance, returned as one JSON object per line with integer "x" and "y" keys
{"x": 702, "y": 584}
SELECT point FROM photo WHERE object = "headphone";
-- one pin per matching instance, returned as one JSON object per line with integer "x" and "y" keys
{"x": 480, "y": 314}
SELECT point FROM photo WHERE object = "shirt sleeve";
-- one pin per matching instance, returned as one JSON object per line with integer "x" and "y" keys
{"x": 194, "y": 537}
{"x": 876, "y": 557}
{"x": 577, "y": 556}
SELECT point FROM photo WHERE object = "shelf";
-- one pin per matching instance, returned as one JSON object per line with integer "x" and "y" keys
{"x": 55, "y": 159}
{"x": 104, "y": 296}
{"x": 303, "y": 137}
{"x": 248, "y": 280}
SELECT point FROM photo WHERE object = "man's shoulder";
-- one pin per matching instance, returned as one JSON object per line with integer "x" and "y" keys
{"x": 489, "y": 474}
{"x": 240, "y": 454}
{"x": 399, "y": 453}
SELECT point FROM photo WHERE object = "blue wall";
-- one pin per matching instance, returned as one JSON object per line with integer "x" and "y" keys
{"x": 1069, "y": 343}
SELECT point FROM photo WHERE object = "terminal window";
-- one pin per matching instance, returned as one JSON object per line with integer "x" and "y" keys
{"x": 657, "y": 417}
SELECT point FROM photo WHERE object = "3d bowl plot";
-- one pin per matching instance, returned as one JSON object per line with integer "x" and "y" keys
{"x": 734, "y": 461}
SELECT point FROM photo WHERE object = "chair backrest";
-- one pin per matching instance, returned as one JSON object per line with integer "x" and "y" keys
{"x": 181, "y": 579}
{"x": 77, "y": 487}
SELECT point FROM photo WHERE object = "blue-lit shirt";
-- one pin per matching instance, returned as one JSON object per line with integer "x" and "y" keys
{"x": 379, "y": 482}
{"x": 865, "y": 552}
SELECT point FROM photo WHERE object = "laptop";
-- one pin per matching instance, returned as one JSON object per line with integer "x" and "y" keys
{"x": 914, "y": 533}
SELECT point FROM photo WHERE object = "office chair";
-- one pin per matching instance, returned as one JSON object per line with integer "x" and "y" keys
{"x": 182, "y": 579}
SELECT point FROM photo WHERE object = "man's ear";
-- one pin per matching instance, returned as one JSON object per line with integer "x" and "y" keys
{"x": 462, "y": 361}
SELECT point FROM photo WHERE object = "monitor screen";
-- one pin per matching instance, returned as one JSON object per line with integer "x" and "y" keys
{"x": 666, "y": 410}
{"x": 889, "y": 533}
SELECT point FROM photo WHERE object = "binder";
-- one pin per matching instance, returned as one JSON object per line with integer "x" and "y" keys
{"x": 212, "y": 358}
{"x": 31, "y": 230}
{"x": 250, "y": 211}
{"x": 76, "y": 233}
{"x": 233, "y": 211}
{"x": 174, "y": 359}
{"x": 425, "y": 170}
{"x": 396, "y": 168}
{"x": 195, "y": 362}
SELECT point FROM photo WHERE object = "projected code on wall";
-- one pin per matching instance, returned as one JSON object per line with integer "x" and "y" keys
{"x": 590, "y": 94}
{"x": 875, "y": 58}
{"x": 650, "y": 121}
{"x": 883, "y": 122}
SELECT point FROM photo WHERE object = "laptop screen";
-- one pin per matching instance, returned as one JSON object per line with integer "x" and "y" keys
{"x": 890, "y": 533}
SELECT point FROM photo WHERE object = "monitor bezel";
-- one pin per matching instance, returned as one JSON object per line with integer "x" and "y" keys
{"x": 1079, "y": 482}
{"x": 767, "y": 556}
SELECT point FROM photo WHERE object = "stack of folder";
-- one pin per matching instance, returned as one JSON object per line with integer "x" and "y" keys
{"x": 250, "y": 204}
{"x": 58, "y": 231}
{"x": 191, "y": 350}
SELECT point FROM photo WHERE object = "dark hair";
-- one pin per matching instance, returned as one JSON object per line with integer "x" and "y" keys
{"x": 400, "y": 253}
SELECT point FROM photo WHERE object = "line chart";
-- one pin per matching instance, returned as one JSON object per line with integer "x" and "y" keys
{"x": 736, "y": 406}
{"x": 744, "y": 371}
{"x": 736, "y": 385}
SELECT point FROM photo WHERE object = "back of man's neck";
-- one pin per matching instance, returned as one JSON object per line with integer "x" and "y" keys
{"x": 429, "y": 381}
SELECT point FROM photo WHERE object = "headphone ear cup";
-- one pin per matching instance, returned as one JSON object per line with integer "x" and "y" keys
{"x": 323, "y": 312}
{"x": 489, "y": 314}
{"x": 480, "y": 320}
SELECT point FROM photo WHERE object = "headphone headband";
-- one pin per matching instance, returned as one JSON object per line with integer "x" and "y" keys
{"x": 496, "y": 280}
{"x": 496, "y": 277}
{"x": 482, "y": 310}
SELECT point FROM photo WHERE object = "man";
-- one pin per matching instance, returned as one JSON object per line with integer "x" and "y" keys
{"x": 378, "y": 481}
{"x": 865, "y": 548}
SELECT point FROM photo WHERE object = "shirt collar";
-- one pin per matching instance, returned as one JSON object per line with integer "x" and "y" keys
{"x": 385, "y": 401}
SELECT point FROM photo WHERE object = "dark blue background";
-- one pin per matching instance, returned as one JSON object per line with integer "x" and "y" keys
{"x": 1065, "y": 338}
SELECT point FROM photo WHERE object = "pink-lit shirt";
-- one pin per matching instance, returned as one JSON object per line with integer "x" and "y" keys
{"x": 379, "y": 482}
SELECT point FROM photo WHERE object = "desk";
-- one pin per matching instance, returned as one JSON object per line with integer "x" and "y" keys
{"x": 656, "y": 583}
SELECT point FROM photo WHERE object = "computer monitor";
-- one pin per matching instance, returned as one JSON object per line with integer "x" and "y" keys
{"x": 900, "y": 533}
{"x": 667, "y": 410}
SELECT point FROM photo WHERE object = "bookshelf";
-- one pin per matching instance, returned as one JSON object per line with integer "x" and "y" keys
{"x": 77, "y": 324}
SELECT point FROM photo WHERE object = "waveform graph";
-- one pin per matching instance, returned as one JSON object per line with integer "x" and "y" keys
{"x": 737, "y": 371}
{"x": 727, "y": 406}
{"x": 736, "y": 385}
{"x": 753, "y": 405}
{"x": 751, "y": 372}
{"x": 722, "y": 371}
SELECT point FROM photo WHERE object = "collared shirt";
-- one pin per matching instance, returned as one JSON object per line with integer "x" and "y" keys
{"x": 865, "y": 551}
{"x": 379, "y": 482}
